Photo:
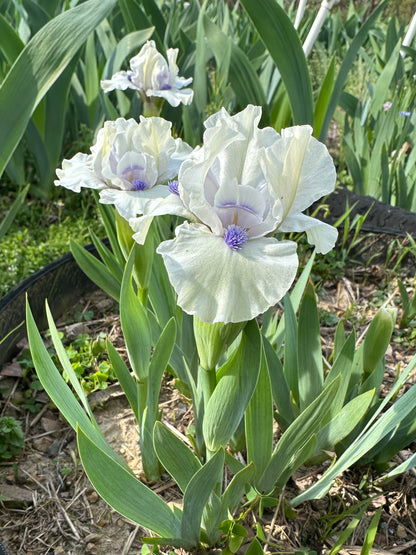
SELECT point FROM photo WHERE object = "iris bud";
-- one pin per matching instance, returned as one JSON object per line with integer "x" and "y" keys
{"x": 378, "y": 337}
{"x": 212, "y": 340}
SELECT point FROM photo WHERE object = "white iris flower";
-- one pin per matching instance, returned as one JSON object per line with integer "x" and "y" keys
{"x": 151, "y": 75}
{"x": 241, "y": 187}
{"x": 130, "y": 164}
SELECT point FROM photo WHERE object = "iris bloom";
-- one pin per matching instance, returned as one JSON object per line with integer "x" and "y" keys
{"x": 151, "y": 75}
{"x": 241, "y": 187}
{"x": 130, "y": 163}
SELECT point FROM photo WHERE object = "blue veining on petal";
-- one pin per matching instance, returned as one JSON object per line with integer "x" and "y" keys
{"x": 129, "y": 170}
{"x": 235, "y": 205}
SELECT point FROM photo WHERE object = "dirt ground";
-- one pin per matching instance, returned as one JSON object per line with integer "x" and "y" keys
{"x": 49, "y": 506}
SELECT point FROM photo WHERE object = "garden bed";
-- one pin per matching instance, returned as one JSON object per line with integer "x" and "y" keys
{"x": 52, "y": 507}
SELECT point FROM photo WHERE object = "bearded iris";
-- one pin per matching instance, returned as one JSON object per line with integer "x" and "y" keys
{"x": 153, "y": 76}
{"x": 130, "y": 164}
{"x": 243, "y": 185}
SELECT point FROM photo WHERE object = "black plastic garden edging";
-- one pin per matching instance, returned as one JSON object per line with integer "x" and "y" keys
{"x": 61, "y": 282}
{"x": 381, "y": 218}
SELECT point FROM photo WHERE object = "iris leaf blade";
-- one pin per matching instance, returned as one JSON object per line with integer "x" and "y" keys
{"x": 41, "y": 62}
{"x": 123, "y": 491}
{"x": 282, "y": 41}
{"x": 175, "y": 456}
{"x": 236, "y": 382}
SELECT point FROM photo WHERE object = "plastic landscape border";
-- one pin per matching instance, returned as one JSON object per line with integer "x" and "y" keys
{"x": 382, "y": 217}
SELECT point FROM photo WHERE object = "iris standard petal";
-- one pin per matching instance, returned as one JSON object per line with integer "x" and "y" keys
{"x": 299, "y": 169}
{"x": 154, "y": 136}
{"x": 219, "y": 284}
{"x": 240, "y": 204}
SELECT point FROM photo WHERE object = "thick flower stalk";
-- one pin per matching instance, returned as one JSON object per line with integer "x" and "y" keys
{"x": 152, "y": 76}
{"x": 236, "y": 191}
{"x": 130, "y": 164}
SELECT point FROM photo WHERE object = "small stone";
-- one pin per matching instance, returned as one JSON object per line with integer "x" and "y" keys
{"x": 380, "y": 539}
{"x": 15, "y": 497}
{"x": 105, "y": 304}
{"x": 73, "y": 330}
{"x": 13, "y": 370}
{"x": 401, "y": 531}
{"x": 42, "y": 444}
{"x": 93, "y": 497}
{"x": 120, "y": 523}
{"x": 50, "y": 424}
{"x": 59, "y": 551}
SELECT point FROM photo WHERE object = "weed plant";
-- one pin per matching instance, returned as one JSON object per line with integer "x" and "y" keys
{"x": 11, "y": 437}
{"x": 88, "y": 360}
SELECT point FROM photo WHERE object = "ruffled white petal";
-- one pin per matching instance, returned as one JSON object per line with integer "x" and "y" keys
{"x": 172, "y": 204}
{"x": 320, "y": 234}
{"x": 174, "y": 96}
{"x": 175, "y": 159}
{"x": 131, "y": 203}
{"x": 218, "y": 284}
{"x": 141, "y": 226}
{"x": 119, "y": 80}
{"x": 243, "y": 122}
{"x": 199, "y": 183}
{"x": 181, "y": 82}
{"x": 154, "y": 137}
{"x": 77, "y": 173}
{"x": 239, "y": 158}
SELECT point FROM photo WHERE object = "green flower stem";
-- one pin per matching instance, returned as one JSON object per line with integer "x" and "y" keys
{"x": 207, "y": 381}
{"x": 152, "y": 106}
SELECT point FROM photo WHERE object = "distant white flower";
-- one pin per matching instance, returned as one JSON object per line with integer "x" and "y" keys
{"x": 130, "y": 164}
{"x": 151, "y": 75}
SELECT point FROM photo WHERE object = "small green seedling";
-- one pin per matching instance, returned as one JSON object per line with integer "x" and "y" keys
{"x": 11, "y": 437}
